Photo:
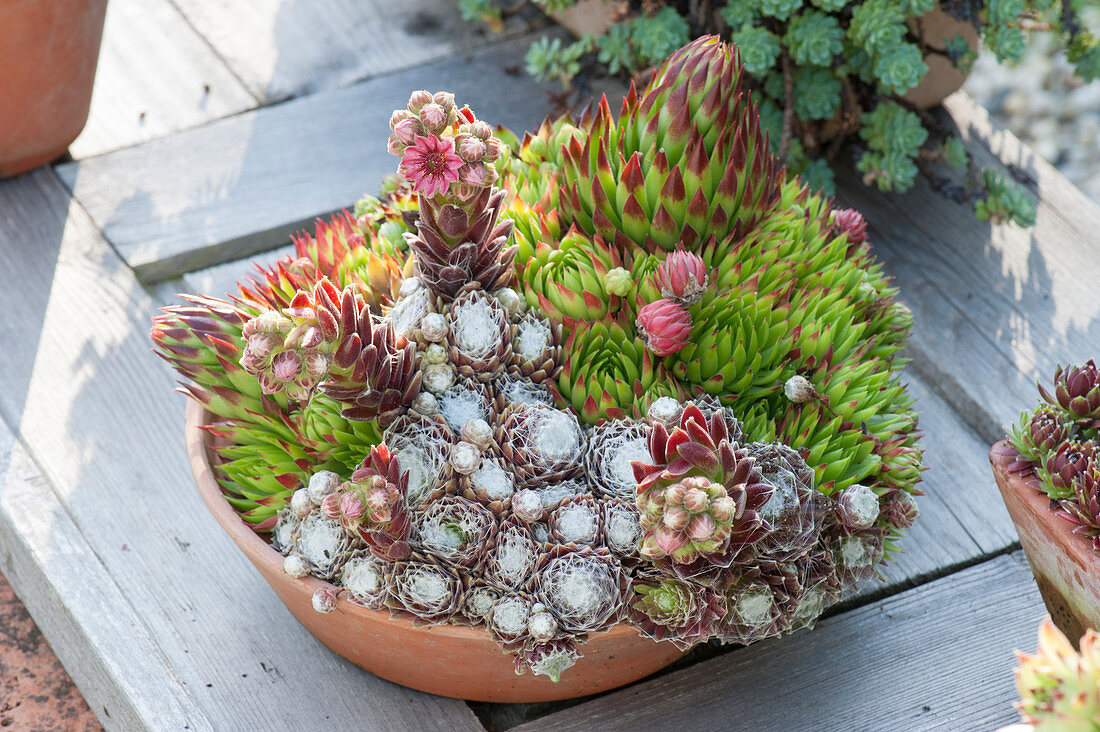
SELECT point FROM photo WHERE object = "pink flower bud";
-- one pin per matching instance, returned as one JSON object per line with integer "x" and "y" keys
{"x": 310, "y": 337}
{"x": 722, "y": 508}
{"x": 376, "y": 499}
{"x": 433, "y": 117}
{"x": 286, "y": 366}
{"x": 259, "y": 345}
{"x": 316, "y": 364}
{"x": 398, "y": 115}
{"x": 394, "y": 146}
{"x": 676, "y": 518}
{"x": 674, "y": 495}
{"x": 664, "y": 326}
{"x": 682, "y": 277}
{"x": 669, "y": 541}
{"x": 444, "y": 99}
{"x": 268, "y": 321}
{"x": 330, "y": 506}
{"x": 268, "y": 383}
{"x": 324, "y": 600}
{"x": 494, "y": 149}
{"x": 470, "y": 148}
{"x": 351, "y": 506}
{"x": 851, "y": 222}
{"x": 418, "y": 99}
{"x": 701, "y": 527}
{"x": 481, "y": 130}
{"x": 407, "y": 129}
{"x": 478, "y": 175}
{"x": 696, "y": 500}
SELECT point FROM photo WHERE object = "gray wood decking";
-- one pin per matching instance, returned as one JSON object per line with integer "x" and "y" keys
{"x": 181, "y": 177}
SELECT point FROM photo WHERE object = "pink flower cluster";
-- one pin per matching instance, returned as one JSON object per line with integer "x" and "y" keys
{"x": 440, "y": 145}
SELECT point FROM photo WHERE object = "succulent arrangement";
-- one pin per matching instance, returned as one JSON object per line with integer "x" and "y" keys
{"x": 1059, "y": 686}
{"x": 1058, "y": 446}
{"x": 616, "y": 370}
{"x": 830, "y": 71}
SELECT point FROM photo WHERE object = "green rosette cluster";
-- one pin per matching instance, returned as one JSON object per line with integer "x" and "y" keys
{"x": 789, "y": 293}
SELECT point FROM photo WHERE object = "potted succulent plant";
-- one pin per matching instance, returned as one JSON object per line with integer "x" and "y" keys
{"x": 49, "y": 58}
{"x": 830, "y": 71}
{"x": 590, "y": 398}
{"x": 1059, "y": 686}
{"x": 1048, "y": 471}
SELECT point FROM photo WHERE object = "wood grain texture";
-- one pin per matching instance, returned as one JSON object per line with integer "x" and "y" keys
{"x": 244, "y": 184}
{"x": 996, "y": 307}
{"x": 286, "y": 49}
{"x": 222, "y": 278}
{"x": 156, "y": 76}
{"x": 96, "y": 411}
{"x": 93, "y": 628}
{"x": 939, "y": 656}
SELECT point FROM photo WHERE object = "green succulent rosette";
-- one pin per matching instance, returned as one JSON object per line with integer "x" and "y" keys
{"x": 608, "y": 373}
{"x": 566, "y": 279}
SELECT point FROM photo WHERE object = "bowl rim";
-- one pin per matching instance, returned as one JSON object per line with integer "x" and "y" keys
{"x": 257, "y": 550}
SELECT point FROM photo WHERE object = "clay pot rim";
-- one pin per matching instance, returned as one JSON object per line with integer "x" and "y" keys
{"x": 258, "y": 550}
{"x": 1001, "y": 455}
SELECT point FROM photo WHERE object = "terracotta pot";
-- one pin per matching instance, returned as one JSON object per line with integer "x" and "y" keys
{"x": 588, "y": 16}
{"x": 448, "y": 660}
{"x": 943, "y": 79}
{"x": 48, "y": 58}
{"x": 1066, "y": 567}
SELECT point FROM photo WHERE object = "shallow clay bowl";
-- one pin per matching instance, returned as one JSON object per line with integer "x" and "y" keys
{"x": 448, "y": 660}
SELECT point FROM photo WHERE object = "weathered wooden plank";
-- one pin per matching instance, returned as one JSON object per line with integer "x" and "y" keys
{"x": 997, "y": 307}
{"x": 79, "y": 386}
{"x": 939, "y": 656}
{"x": 284, "y": 50}
{"x": 93, "y": 628}
{"x": 156, "y": 76}
{"x": 222, "y": 278}
{"x": 244, "y": 184}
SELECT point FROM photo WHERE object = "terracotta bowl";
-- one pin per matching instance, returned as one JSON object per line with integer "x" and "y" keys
{"x": 1066, "y": 568}
{"x": 448, "y": 660}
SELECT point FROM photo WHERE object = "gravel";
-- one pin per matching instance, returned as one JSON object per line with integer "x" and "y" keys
{"x": 1047, "y": 107}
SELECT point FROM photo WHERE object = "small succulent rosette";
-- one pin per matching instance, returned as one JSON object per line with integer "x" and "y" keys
{"x": 1058, "y": 447}
{"x": 1059, "y": 684}
{"x": 617, "y": 371}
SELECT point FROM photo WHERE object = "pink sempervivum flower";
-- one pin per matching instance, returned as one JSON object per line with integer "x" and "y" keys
{"x": 682, "y": 276}
{"x": 851, "y": 222}
{"x": 431, "y": 165}
{"x": 664, "y": 326}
